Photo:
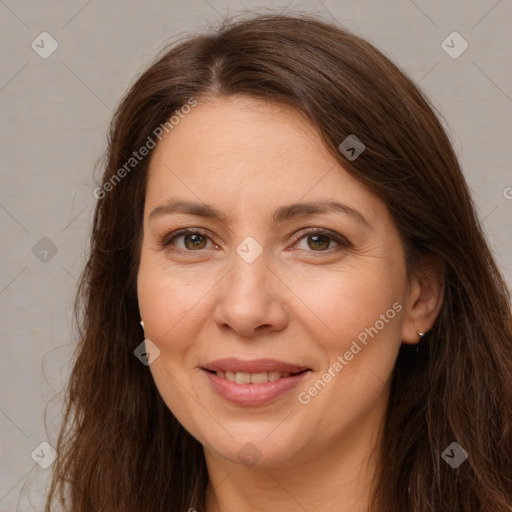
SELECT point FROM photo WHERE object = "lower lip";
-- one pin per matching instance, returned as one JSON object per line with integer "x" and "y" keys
{"x": 252, "y": 394}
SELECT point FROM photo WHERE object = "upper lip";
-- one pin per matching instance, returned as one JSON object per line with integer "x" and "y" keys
{"x": 253, "y": 366}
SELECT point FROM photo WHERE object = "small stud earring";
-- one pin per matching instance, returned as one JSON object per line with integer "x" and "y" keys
{"x": 142, "y": 324}
{"x": 420, "y": 334}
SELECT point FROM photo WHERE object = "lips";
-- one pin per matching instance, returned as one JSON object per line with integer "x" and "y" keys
{"x": 254, "y": 382}
{"x": 253, "y": 366}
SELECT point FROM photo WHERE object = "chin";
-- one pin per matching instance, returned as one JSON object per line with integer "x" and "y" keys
{"x": 256, "y": 452}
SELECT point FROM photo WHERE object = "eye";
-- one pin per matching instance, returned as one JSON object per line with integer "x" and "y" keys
{"x": 314, "y": 240}
{"x": 191, "y": 240}
{"x": 321, "y": 240}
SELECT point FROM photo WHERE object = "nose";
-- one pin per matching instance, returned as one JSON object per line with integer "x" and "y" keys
{"x": 250, "y": 299}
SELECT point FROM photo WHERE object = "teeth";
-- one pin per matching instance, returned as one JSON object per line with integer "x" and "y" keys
{"x": 252, "y": 378}
{"x": 259, "y": 378}
{"x": 274, "y": 376}
{"x": 242, "y": 378}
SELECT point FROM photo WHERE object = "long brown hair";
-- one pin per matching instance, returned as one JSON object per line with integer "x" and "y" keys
{"x": 120, "y": 447}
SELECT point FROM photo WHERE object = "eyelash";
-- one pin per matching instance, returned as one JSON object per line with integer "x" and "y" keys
{"x": 339, "y": 239}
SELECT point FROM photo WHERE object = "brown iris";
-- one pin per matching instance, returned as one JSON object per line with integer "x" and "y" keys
{"x": 196, "y": 240}
{"x": 320, "y": 242}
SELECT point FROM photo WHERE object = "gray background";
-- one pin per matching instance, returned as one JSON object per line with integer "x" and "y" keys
{"x": 55, "y": 114}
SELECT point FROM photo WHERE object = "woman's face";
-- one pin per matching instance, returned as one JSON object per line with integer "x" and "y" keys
{"x": 291, "y": 282}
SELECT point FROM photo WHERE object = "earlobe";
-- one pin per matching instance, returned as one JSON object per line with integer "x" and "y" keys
{"x": 424, "y": 301}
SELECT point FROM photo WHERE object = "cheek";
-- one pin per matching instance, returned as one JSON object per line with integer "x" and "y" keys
{"x": 355, "y": 303}
{"x": 363, "y": 313}
{"x": 169, "y": 301}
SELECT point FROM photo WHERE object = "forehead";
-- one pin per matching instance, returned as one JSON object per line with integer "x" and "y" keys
{"x": 218, "y": 132}
{"x": 251, "y": 153}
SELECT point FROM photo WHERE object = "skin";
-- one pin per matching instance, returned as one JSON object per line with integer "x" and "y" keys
{"x": 294, "y": 303}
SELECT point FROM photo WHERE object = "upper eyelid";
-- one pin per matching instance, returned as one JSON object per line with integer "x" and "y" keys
{"x": 324, "y": 231}
{"x": 183, "y": 232}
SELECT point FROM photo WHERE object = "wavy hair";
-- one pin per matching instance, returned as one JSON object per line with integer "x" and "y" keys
{"x": 121, "y": 449}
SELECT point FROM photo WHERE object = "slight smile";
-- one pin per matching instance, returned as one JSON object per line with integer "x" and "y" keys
{"x": 253, "y": 382}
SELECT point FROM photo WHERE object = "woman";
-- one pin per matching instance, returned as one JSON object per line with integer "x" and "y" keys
{"x": 325, "y": 327}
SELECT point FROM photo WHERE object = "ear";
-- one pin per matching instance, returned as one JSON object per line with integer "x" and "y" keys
{"x": 424, "y": 300}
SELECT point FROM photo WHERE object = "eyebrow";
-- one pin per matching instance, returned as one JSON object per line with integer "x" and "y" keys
{"x": 281, "y": 214}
